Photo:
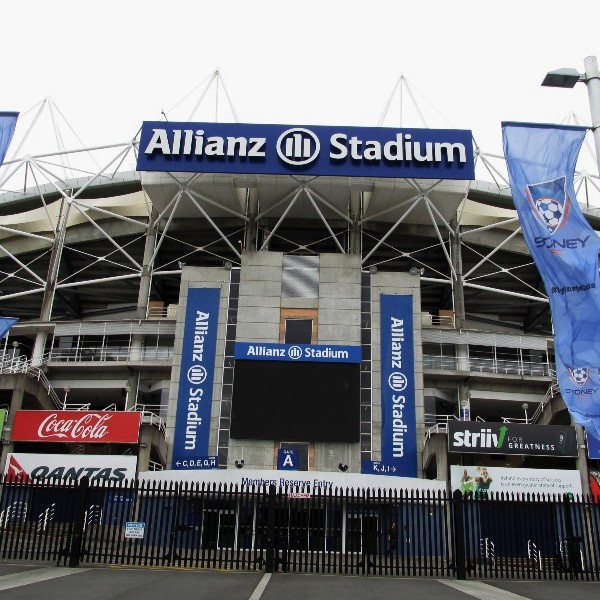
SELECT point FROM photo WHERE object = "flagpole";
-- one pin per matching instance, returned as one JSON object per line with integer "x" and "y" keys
{"x": 592, "y": 81}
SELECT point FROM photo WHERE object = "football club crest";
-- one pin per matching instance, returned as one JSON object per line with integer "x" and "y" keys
{"x": 550, "y": 203}
{"x": 579, "y": 376}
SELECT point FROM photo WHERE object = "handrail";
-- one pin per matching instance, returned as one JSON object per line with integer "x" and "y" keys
{"x": 149, "y": 417}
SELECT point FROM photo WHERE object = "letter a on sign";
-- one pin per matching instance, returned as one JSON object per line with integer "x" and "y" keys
{"x": 288, "y": 459}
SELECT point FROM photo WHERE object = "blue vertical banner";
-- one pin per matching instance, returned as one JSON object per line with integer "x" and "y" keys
{"x": 398, "y": 416}
{"x": 192, "y": 424}
{"x": 5, "y": 324}
{"x": 541, "y": 165}
{"x": 8, "y": 122}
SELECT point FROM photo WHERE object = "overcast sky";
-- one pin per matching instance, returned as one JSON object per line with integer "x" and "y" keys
{"x": 109, "y": 65}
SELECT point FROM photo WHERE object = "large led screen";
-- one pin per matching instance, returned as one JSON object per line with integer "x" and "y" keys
{"x": 296, "y": 401}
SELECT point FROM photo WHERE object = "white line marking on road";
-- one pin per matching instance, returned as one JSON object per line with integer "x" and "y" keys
{"x": 481, "y": 590}
{"x": 260, "y": 588}
{"x": 14, "y": 580}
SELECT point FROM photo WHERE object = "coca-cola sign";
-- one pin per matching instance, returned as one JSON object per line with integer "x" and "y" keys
{"x": 99, "y": 427}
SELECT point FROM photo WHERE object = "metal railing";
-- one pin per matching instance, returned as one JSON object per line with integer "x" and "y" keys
{"x": 111, "y": 354}
{"x": 163, "y": 312}
{"x": 150, "y": 417}
{"x": 498, "y": 366}
{"x": 445, "y": 321}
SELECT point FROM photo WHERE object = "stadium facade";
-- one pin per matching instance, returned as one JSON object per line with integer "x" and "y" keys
{"x": 245, "y": 315}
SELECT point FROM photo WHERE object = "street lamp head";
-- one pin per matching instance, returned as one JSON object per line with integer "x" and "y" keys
{"x": 563, "y": 78}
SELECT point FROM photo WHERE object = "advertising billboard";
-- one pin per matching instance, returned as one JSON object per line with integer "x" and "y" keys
{"x": 100, "y": 427}
{"x": 511, "y": 438}
{"x": 306, "y": 150}
{"x": 29, "y": 467}
{"x": 479, "y": 479}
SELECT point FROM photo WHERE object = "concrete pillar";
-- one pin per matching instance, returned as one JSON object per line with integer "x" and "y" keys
{"x": 16, "y": 403}
{"x": 250, "y": 235}
{"x": 457, "y": 287}
{"x": 581, "y": 463}
{"x": 50, "y": 289}
{"x": 145, "y": 283}
{"x": 354, "y": 241}
{"x": 145, "y": 448}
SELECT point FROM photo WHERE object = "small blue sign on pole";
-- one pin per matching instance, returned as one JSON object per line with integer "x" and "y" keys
{"x": 288, "y": 459}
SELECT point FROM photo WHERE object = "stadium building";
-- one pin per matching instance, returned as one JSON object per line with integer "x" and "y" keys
{"x": 250, "y": 316}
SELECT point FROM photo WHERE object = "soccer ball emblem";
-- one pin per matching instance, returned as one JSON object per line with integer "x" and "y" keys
{"x": 579, "y": 376}
{"x": 551, "y": 212}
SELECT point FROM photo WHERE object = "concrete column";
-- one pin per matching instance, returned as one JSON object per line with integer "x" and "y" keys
{"x": 145, "y": 448}
{"x": 457, "y": 288}
{"x": 16, "y": 403}
{"x": 144, "y": 289}
{"x": 250, "y": 235}
{"x": 50, "y": 289}
{"x": 355, "y": 239}
{"x": 581, "y": 463}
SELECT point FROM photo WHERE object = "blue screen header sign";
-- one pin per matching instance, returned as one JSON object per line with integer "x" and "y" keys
{"x": 192, "y": 425}
{"x": 310, "y": 150}
{"x": 297, "y": 352}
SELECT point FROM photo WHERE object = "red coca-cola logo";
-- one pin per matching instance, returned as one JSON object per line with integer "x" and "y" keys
{"x": 101, "y": 427}
{"x": 89, "y": 427}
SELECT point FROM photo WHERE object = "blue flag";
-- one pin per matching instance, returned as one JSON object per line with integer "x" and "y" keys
{"x": 580, "y": 389}
{"x": 5, "y": 324}
{"x": 8, "y": 122}
{"x": 541, "y": 164}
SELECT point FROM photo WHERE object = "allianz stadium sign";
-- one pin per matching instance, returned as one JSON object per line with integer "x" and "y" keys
{"x": 306, "y": 150}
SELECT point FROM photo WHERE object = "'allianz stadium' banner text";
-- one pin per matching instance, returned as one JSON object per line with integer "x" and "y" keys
{"x": 398, "y": 418}
{"x": 192, "y": 425}
{"x": 309, "y": 150}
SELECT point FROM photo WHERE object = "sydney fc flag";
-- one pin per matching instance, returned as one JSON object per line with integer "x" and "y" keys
{"x": 580, "y": 389}
{"x": 8, "y": 121}
{"x": 541, "y": 164}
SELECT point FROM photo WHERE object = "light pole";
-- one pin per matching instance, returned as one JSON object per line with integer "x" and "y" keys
{"x": 67, "y": 390}
{"x": 567, "y": 78}
{"x": 525, "y": 406}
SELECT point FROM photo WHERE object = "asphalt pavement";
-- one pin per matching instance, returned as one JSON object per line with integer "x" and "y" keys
{"x": 28, "y": 582}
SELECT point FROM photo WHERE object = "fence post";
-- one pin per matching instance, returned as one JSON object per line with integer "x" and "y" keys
{"x": 458, "y": 534}
{"x": 78, "y": 518}
{"x": 270, "y": 556}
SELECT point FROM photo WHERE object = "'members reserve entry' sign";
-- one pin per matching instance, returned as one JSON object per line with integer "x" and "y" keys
{"x": 511, "y": 438}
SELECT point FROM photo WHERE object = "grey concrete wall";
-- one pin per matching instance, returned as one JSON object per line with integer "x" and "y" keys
{"x": 259, "y": 311}
{"x": 199, "y": 277}
{"x": 396, "y": 283}
{"x": 339, "y": 323}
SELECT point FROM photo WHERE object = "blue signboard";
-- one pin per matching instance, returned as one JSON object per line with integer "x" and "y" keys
{"x": 201, "y": 463}
{"x": 377, "y": 467}
{"x": 288, "y": 459}
{"x": 297, "y": 352}
{"x": 192, "y": 425}
{"x": 295, "y": 150}
{"x": 398, "y": 418}
{"x": 593, "y": 447}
